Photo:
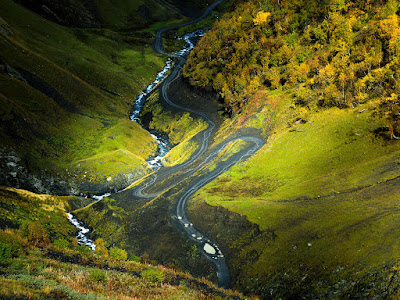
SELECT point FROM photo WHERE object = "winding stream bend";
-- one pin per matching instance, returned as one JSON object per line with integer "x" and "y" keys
{"x": 81, "y": 237}
{"x": 209, "y": 249}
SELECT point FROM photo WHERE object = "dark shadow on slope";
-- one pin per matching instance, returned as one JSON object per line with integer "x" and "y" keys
{"x": 67, "y": 12}
{"x": 38, "y": 84}
{"x": 48, "y": 90}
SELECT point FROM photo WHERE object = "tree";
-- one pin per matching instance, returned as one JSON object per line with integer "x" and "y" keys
{"x": 101, "y": 249}
{"x": 337, "y": 5}
{"x": 261, "y": 18}
{"x": 390, "y": 30}
{"x": 390, "y": 106}
{"x": 37, "y": 235}
{"x": 118, "y": 254}
{"x": 331, "y": 96}
{"x": 274, "y": 77}
{"x": 145, "y": 258}
{"x": 327, "y": 75}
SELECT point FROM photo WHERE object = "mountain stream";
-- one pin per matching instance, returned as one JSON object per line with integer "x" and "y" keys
{"x": 154, "y": 162}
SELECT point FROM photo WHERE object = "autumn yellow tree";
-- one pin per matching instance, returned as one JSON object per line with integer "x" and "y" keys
{"x": 101, "y": 249}
{"x": 37, "y": 234}
{"x": 261, "y": 18}
{"x": 390, "y": 29}
{"x": 343, "y": 52}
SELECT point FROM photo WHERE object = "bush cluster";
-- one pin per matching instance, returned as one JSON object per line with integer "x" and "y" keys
{"x": 154, "y": 275}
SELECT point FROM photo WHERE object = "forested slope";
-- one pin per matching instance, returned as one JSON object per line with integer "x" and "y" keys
{"x": 333, "y": 53}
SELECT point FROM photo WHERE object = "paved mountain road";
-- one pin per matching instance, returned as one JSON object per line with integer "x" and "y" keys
{"x": 194, "y": 164}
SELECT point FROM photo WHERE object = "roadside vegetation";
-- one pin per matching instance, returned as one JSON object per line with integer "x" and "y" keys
{"x": 180, "y": 127}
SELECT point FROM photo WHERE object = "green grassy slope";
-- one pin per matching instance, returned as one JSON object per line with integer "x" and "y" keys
{"x": 323, "y": 195}
{"x": 65, "y": 96}
{"x": 315, "y": 212}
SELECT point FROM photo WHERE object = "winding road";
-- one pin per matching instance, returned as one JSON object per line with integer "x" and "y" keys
{"x": 149, "y": 187}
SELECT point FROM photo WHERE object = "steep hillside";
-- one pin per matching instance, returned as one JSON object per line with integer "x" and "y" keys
{"x": 313, "y": 214}
{"x": 40, "y": 260}
{"x": 133, "y": 14}
{"x": 320, "y": 82}
{"x": 65, "y": 98}
{"x": 332, "y": 53}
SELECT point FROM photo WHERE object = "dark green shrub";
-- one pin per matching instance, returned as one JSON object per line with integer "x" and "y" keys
{"x": 154, "y": 275}
{"x": 97, "y": 275}
{"x": 13, "y": 242}
{"x": 145, "y": 258}
{"x": 62, "y": 243}
{"x": 101, "y": 249}
{"x": 134, "y": 258}
{"x": 118, "y": 254}
{"x": 83, "y": 249}
{"x": 37, "y": 235}
{"x": 24, "y": 228}
{"x": 5, "y": 253}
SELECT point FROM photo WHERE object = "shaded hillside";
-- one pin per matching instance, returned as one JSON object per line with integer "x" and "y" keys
{"x": 68, "y": 13}
{"x": 117, "y": 14}
{"x": 65, "y": 98}
{"x": 66, "y": 92}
